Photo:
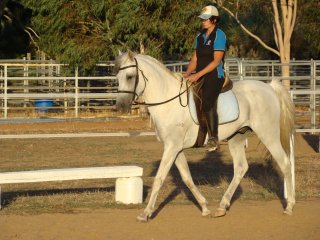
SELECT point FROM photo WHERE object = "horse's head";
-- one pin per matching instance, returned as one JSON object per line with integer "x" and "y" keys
{"x": 126, "y": 67}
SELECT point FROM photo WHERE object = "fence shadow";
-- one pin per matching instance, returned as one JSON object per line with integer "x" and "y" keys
{"x": 10, "y": 197}
{"x": 313, "y": 141}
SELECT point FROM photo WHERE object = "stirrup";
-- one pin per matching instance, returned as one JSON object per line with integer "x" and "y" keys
{"x": 212, "y": 144}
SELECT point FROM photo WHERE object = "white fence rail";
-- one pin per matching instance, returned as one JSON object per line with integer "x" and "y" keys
{"x": 74, "y": 93}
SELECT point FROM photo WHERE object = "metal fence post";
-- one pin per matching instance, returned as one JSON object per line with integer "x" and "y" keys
{"x": 312, "y": 95}
{"x": 5, "y": 94}
{"x": 240, "y": 68}
{"x": 76, "y": 100}
{"x": 25, "y": 82}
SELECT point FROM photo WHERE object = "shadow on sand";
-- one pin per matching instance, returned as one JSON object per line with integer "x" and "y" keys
{"x": 10, "y": 197}
{"x": 211, "y": 170}
{"x": 313, "y": 140}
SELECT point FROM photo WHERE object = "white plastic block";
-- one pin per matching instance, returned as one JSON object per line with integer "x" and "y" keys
{"x": 129, "y": 190}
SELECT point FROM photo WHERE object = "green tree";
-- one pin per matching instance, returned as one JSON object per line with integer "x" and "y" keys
{"x": 87, "y": 31}
{"x": 71, "y": 31}
{"x": 255, "y": 15}
{"x": 84, "y": 32}
{"x": 305, "y": 40}
{"x": 164, "y": 29}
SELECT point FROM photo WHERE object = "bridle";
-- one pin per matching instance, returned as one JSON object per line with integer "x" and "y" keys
{"x": 136, "y": 80}
{"x": 135, "y": 95}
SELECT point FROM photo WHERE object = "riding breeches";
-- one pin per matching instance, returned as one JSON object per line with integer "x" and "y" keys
{"x": 210, "y": 89}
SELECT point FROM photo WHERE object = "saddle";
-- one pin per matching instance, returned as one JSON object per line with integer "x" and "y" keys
{"x": 197, "y": 96}
{"x": 227, "y": 85}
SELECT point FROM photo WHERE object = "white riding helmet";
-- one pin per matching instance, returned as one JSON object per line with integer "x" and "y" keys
{"x": 209, "y": 11}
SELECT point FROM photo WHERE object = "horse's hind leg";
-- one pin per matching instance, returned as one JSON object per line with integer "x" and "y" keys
{"x": 183, "y": 168}
{"x": 279, "y": 155}
{"x": 240, "y": 167}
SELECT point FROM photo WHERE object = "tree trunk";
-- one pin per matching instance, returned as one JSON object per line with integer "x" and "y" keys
{"x": 283, "y": 28}
{"x": 285, "y": 67}
{"x": 285, "y": 72}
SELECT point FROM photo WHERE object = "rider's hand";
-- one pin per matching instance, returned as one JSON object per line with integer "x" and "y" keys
{"x": 193, "y": 78}
{"x": 185, "y": 75}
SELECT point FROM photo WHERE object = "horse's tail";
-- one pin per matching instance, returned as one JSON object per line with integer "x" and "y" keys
{"x": 286, "y": 116}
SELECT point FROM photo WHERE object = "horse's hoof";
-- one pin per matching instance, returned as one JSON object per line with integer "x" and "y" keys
{"x": 143, "y": 217}
{"x": 288, "y": 212}
{"x": 220, "y": 212}
{"x": 206, "y": 213}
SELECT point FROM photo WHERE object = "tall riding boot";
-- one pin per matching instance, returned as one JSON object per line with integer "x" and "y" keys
{"x": 212, "y": 124}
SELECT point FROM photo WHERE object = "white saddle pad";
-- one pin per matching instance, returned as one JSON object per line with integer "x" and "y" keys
{"x": 228, "y": 107}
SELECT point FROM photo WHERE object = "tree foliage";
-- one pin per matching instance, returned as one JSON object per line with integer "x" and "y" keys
{"x": 87, "y": 31}
{"x": 71, "y": 31}
{"x": 83, "y": 32}
{"x": 256, "y": 15}
{"x": 306, "y": 41}
{"x": 163, "y": 28}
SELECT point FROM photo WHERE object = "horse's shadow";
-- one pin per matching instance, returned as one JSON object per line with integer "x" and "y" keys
{"x": 211, "y": 170}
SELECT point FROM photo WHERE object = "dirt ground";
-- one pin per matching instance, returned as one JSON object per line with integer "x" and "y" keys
{"x": 245, "y": 220}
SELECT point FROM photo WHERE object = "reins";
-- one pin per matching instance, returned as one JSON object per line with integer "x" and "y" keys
{"x": 169, "y": 100}
{"x": 145, "y": 81}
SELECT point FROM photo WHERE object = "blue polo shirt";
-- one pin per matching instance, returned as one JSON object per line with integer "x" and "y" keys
{"x": 216, "y": 42}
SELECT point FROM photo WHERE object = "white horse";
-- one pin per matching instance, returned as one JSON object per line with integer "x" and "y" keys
{"x": 265, "y": 108}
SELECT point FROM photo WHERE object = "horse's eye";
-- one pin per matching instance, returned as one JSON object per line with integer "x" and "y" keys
{"x": 129, "y": 77}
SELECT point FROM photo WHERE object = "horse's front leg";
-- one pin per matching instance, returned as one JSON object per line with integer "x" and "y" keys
{"x": 184, "y": 170}
{"x": 169, "y": 155}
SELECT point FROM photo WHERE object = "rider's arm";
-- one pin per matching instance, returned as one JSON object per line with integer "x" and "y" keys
{"x": 218, "y": 55}
{"x": 192, "y": 65}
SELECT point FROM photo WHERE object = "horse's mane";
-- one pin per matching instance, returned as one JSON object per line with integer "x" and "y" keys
{"x": 130, "y": 55}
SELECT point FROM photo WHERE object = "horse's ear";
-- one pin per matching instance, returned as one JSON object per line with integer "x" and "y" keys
{"x": 130, "y": 55}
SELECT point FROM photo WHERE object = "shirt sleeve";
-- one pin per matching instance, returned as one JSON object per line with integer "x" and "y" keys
{"x": 220, "y": 41}
{"x": 195, "y": 45}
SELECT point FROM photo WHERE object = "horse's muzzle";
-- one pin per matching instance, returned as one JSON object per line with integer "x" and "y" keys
{"x": 123, "y": 105}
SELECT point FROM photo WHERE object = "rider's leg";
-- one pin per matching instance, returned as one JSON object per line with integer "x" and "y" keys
{"x": 211, "y": 90}
{"x": 212, "y": 125}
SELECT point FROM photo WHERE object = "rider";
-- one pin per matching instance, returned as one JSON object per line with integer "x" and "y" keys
{"x": 207, "y": 61}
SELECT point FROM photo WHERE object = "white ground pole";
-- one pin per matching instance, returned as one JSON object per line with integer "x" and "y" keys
{"x": 75, "y": 135}
{"x": 129, "y": 184}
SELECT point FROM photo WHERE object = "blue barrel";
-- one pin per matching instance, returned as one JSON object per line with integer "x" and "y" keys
{"x": 43, "y": 105}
